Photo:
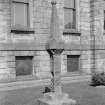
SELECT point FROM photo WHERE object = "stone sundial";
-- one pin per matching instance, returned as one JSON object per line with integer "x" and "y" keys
{"x": 55, "y": 47}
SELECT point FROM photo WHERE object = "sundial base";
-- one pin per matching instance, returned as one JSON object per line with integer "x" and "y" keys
{"x": 53, "y": 98}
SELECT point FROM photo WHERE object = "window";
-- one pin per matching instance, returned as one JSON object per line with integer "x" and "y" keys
{"x": 24, "y": 65}
{"x": 69, "y": 14}
{"x": 104, "y": 19}
{"x": 20, "y": 13}
{"x": 72, "y": 63}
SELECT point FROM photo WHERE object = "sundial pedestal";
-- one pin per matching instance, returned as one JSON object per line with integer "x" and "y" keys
{"x": 57, "y": 97}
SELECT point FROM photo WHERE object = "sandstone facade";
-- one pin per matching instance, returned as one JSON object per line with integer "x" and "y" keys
{"x": 89, "y": 24}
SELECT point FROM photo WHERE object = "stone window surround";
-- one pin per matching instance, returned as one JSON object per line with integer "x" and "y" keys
{"x": 71, "y": 8}
{"x": 73, "y": 52}
{"x": 75, "y": 31}
{"x": 23, "y": 58}
{"x": 24, "y": 30}
{"x": 25, "y": 53}
{"x": 104, "y": 20}
{"x": 78, "y": 63}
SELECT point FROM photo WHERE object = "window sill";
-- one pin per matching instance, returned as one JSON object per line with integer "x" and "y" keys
{"x": 71, "y": 32}
{"x": 22, "y": 30}
{"x": 25, "y": 78}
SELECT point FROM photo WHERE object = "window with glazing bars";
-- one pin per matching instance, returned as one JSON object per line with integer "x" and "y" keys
{"x": 20, "y": 13}
{"x": 69, "y": 14}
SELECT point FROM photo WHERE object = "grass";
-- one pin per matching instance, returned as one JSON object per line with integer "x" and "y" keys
{"x": 85, "y": 94}
{"x": 82, "y": 92}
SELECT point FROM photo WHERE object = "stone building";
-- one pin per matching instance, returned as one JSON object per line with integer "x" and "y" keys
{"x": 25, "y": 31}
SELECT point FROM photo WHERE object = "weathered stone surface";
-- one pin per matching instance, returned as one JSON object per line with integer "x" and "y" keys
{"x": 90, "y": 23}
{"x": 56, "y": 99}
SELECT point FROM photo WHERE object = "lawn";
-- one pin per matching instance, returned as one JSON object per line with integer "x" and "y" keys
{"x": 82, "y": 92}
{"x": 85, "y": 94}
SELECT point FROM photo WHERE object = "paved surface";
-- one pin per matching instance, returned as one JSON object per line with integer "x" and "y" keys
{"x": 26, "y": 93}
{"x": 81, "y": 91}
{"x": 34, "y": 83}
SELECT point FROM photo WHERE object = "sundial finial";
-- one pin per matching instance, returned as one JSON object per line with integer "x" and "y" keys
{"x": 53, "y": 2}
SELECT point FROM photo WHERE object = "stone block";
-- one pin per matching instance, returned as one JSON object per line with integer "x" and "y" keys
{"x": 10, "y": 58}
{"x": 3, "y": 65}
{"x": 41, "y": 75}
{"x": 12, "y": 71}
{"x": 3, "y": 59}
{"x": 11, "y": 64}
{"x": 4, "y": 71}
{"x": 45, "y": 64}
{"x": 4, "y": 76}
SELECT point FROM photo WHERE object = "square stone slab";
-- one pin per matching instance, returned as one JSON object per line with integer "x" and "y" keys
{"x": 56, "y": 99}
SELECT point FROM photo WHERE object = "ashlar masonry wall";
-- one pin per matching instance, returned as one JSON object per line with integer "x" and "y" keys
{"x": 85, "y": 21}
{"x": 98, "y": 32}
{"x": 80, "y": 44}
{"x": 12, "y": 44}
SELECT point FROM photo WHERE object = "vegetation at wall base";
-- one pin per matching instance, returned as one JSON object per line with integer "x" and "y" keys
{"x": 98, "y": 79}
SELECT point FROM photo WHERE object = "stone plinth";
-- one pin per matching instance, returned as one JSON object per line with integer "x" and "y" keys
{"x": 56, "y": 99}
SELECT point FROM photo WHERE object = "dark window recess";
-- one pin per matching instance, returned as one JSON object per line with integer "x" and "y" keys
{"x": 24, "y": 65}
{"x": 73, "y": 63}
{"x": 69, "y": 14}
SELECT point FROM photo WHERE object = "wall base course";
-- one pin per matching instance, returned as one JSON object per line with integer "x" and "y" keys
{"x": 41, "y": 63}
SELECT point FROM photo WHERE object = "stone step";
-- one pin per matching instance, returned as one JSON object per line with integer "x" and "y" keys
{"x": 43, "y": 82}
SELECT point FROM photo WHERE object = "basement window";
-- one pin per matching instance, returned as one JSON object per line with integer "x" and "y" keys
{"x": 24, "y": 65}
{"x": 73, "y": 63}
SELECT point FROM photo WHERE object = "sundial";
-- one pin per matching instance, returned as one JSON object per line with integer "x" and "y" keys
{"x": 55, "y": 47}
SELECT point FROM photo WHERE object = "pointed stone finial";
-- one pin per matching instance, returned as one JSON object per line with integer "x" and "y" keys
{"x": 53, "y": 2}
{"x": 55, "y": 40}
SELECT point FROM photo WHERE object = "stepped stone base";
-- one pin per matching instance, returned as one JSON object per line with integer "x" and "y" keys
{"x": 56, "y": 99}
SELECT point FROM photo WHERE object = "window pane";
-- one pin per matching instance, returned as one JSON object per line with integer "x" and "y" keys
{"x": 69, "y": 18}
{"x": 104, "y": 19}
{"x": 23, "y": 65}
{"x": 69, "y": 3}
{"x": 20, "y": 14}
